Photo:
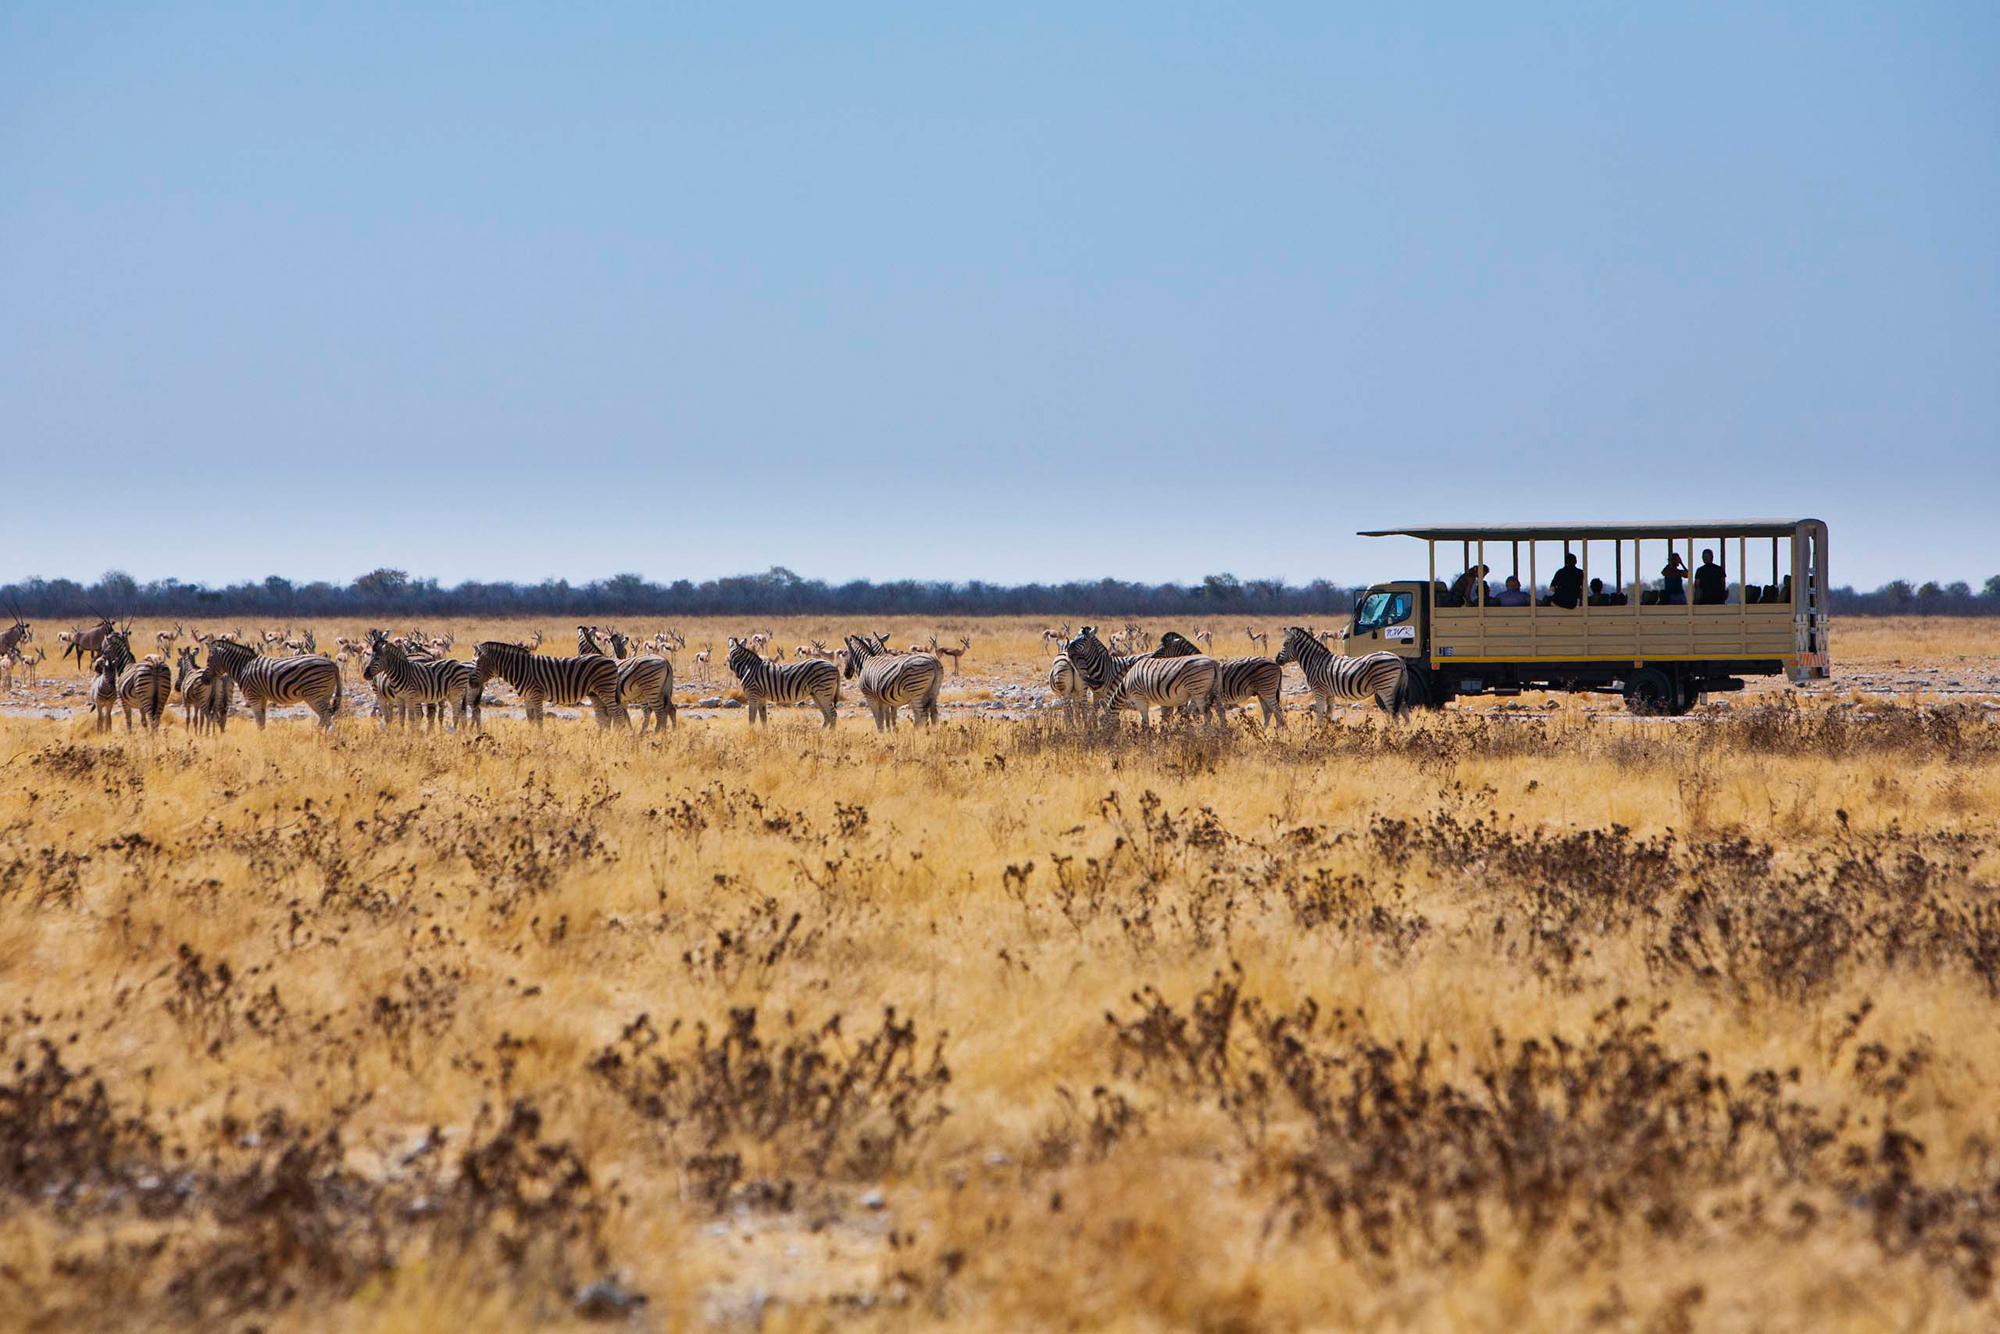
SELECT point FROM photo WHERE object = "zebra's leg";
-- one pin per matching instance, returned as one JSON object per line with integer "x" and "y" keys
{"x": 826, "y": 704}
{"x": 1274, "y": 712}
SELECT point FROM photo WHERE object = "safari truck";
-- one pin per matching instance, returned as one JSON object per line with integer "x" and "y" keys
{"x": 1661, "y": 613}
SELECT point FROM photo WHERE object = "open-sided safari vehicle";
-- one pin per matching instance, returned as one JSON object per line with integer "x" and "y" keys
{"x": 1581, "y": 610}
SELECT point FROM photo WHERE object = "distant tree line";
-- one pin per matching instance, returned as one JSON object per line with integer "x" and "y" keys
{"x": 393, "y": 594}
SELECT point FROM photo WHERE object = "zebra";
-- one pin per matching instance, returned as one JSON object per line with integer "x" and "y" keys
{"x": 649, "y": 683}
{"x": 1179, "y": 682}
{"x": 1247, "y": 678}
{"x": 1382, "y": 676}
{"x": 1066, "y": 684}
{"x": 549, "y": 680}
{"x": 204, "y": 693}
{"x": 113, "y": 657}
{"x": 586, "y": 641}
{"x": 890, "y": 681}
{"x": 1098, "y": 669}
{"x": 766, "y": 683}
{"x": 432, "y": 683}
{"x": 146, "y": 686}
{"x": 311, "y": 680}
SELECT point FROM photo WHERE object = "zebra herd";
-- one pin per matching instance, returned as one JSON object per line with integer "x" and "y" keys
{"x": 414, "y": 680}
{"x": 1177, "y": 675}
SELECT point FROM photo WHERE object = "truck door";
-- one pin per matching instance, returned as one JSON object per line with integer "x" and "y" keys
{"x": 1388, "y": 619}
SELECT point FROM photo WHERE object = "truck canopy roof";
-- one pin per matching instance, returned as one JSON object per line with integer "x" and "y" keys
{"x": 1524, "y": 532}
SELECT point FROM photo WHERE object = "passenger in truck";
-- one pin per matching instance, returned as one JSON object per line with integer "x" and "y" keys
{"x": 1566, "y": 587}
{"x": 1711, "y": 585}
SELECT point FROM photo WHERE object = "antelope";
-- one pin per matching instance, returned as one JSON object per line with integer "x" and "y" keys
{"x": 701, "y": 661}
{"x": 30, "y": 663}
{"x": 944, "y": 651}
{"x": 302, "y": 645}
{"x": 1257, "y": 640}
{"x": 165, "y": 638}
{"x": 16, "y": 634}
{"x": 1207, "y": 638}
{"x": 1060, "y": 637}
{"x": 274, "y": 638}
{"x": 90, "y": 641}
{"x": 815, "y": 649}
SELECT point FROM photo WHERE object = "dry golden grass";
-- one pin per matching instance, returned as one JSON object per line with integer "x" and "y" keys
{"x": 1461, "y": 1024}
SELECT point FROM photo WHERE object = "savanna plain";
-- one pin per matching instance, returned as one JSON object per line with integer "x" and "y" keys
{"x": 1531, "y": 1017}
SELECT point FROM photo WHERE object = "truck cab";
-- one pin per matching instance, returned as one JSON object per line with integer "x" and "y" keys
{"x": 1388, "y": 618}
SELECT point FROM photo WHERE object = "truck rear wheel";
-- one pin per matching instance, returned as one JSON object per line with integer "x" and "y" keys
{"x": 1414, "y": 691}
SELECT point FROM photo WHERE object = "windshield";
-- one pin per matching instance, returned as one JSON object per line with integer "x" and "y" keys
{"x": 1380, "y": 609}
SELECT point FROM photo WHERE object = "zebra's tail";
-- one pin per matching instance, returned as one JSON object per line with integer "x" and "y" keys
{"x": 339, "y": 689}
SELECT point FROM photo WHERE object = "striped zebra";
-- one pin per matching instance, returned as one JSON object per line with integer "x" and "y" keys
{"x": 1249, "y": 678}
{"x": 432, "y": 684}
{"x": 648, "y": 682}
{"x": 891, "y": 681}
{"x": 390, "y": 706}
{"x": 204, "y": 693}
{"x": 1066, "y": 683}
{"x": 114, "y": 656}
{"x": 767, "y": 683}
{"x": 540, "y": 680}
{"x": 312, "y": 680}
{"x": 148, "y": 687}
{"x": 1097, "y": 669}
{"x": 1170, "y": 683}
{"x": 1382, "y": 677}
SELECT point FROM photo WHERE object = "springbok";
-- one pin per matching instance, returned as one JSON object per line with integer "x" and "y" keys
{"x": 701, "y": 661}
{"x": 1259, "y": 641}
{"x": 945, "y": 651}
{"x": 166, "y": 638}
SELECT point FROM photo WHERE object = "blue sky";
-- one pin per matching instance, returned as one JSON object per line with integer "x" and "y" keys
{"x": 1010, "y": 292}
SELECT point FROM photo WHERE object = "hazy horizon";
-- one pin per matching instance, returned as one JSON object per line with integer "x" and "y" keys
{"x": 1023, "y": 296}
